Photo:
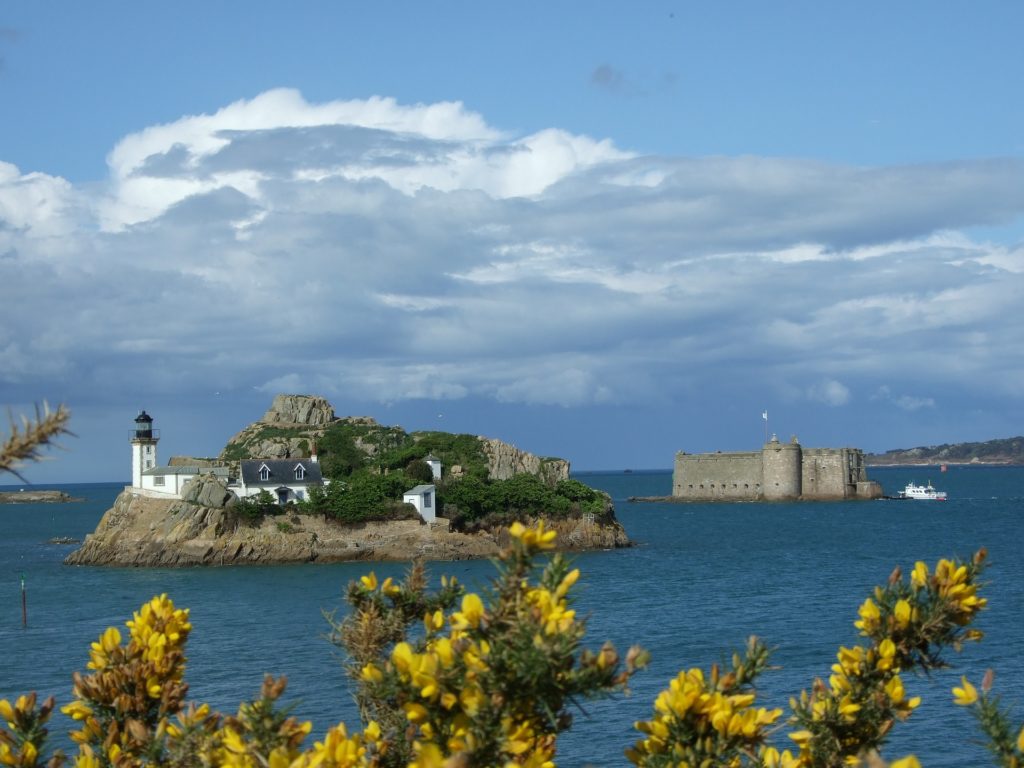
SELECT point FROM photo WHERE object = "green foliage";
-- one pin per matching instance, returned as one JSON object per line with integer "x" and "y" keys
{"x": 418, "y": 470}
{"x": 474, "y": 504}
{"x": 255, "y": 508}
{"x": 361, "y": 498}
{"x": 337, "y": 452}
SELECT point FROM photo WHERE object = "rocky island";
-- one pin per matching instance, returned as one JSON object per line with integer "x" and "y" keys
{"x": 36, "y": 497}
{"x": 214, "y": 521}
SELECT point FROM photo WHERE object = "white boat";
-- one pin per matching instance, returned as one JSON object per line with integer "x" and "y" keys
{"x": 922, "y": 492}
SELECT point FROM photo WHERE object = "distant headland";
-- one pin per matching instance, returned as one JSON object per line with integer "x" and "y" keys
{"x": 1008, "y": 451}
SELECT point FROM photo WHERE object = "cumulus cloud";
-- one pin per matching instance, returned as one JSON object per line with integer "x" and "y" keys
{"x": 392, "y": 252}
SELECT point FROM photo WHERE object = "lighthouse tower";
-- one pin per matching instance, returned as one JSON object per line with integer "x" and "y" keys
{"x": 144, "y": 440}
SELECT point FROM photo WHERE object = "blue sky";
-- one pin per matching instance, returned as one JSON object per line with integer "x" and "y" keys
{"x": 600, "y": 231}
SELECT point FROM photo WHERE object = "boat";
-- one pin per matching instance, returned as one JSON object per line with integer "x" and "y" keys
{"x": 922, "y": 493}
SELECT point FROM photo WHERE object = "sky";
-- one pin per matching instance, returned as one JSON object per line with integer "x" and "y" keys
{"x": 601, "y": 231}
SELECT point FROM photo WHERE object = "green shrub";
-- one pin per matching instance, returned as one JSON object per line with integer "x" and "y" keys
{"x": 362, "y": 498}
{"x": 255, "y": 508}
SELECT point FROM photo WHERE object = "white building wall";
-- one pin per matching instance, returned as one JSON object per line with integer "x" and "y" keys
{"x": 143, "y": 458}
{"x": 425, "y": 502}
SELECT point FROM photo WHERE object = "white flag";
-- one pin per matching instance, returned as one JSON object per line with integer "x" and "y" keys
{"x": 764, "y": 415}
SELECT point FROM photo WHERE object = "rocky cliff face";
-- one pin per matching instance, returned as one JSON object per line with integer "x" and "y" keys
{"x": 505, "y": 461}
{"x": 299, "y": 410}
{"x": 202, "y": 530}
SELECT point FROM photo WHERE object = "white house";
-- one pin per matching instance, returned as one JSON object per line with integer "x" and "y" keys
{"x": 284, "y": 479}
{"x": 170, "y": 480}
{"x": 424, "y": 498}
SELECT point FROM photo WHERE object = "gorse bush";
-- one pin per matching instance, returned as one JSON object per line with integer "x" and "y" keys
{"x": 456, "y": 679}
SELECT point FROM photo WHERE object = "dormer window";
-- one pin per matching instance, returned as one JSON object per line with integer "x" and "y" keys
{"x": 300, "y": 472}
{"x": 264, "y": 473}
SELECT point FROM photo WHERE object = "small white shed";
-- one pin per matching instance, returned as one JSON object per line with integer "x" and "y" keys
{"x": 424, "y": 498}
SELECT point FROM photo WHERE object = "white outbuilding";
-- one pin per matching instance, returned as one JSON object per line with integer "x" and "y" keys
{"x": 424, "y": 498}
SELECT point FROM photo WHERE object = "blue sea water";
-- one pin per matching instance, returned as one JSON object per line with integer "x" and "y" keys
{"x": 699, "y": 581}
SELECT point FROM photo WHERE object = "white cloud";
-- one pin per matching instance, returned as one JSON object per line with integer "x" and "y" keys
{"x": 387, "y": 252}
{"x": 442, "y": 146}
{"x": 829, "y": 392}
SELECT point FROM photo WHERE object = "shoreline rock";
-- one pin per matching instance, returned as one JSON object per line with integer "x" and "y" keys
{"x": 201, "y": 530}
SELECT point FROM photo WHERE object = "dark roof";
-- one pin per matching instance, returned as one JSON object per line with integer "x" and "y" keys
{"x": 282, "y": 471}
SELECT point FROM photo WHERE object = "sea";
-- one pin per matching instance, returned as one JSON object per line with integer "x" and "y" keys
{"x": 699, "y": 581}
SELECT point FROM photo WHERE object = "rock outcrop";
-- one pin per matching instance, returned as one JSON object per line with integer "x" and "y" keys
{"x": 299, "y": 410}
{"x": 505, "y": 461}
{"x": 202, "y": 529}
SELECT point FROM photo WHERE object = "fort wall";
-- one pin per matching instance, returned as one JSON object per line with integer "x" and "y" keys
{"x": 778, "y": 472}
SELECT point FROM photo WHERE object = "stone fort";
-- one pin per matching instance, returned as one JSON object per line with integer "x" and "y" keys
{"x": 777, "y": 472}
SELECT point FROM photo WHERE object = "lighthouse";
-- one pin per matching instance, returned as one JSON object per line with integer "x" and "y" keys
{"x": 144, "y": 440}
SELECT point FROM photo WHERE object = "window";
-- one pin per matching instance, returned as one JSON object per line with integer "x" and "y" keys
{"x": 300, "y": 472}
{"x": 426, "y": 500}
{"x": 300, "y": 495}
{"x": 149, "y": 463}
{"x": 264, "y": 473}
{"x": 149, "y": 450}
{"x": 158, "y": 480}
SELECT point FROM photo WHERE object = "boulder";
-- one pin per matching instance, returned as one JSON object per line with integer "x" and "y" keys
{"x": 304, "y": 410}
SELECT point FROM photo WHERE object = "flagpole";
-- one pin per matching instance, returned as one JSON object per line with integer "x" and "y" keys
{"x": 764, "y": 415}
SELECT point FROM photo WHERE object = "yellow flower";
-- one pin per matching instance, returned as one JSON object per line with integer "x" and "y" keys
{"x": 369, "y": 582}
{"x": 533, "y": 538}
{"x": 389, "y": 587}
{"x": 967, "y": 695}
{"x": 902, "y": 613}
{"x": 801, "y": 737}
{"x": 869, "y": 617}
{"x": 416, "y": 713}
{"x": 1020, "y": 739}
{"x": 7, "y": 713}
{"x": 371, "y": 674}
{"x": 919, "y": 576}
{"x": 906, "y": 762}
{"x": 77, "y": 710}
{"x": 886, "y": 655}
{"x": 471, "y": 613}
{"x": 433, "y": 622}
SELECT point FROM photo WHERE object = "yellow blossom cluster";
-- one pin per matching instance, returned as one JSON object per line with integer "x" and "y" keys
{"x": 133, "y": 688}
{"x": 457, "y": 679}
{"x": 490, "y": 681}
{"x": 707, "y": 719}
{"x": 23, "y": 743}
{"x": 908, "y": 624}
